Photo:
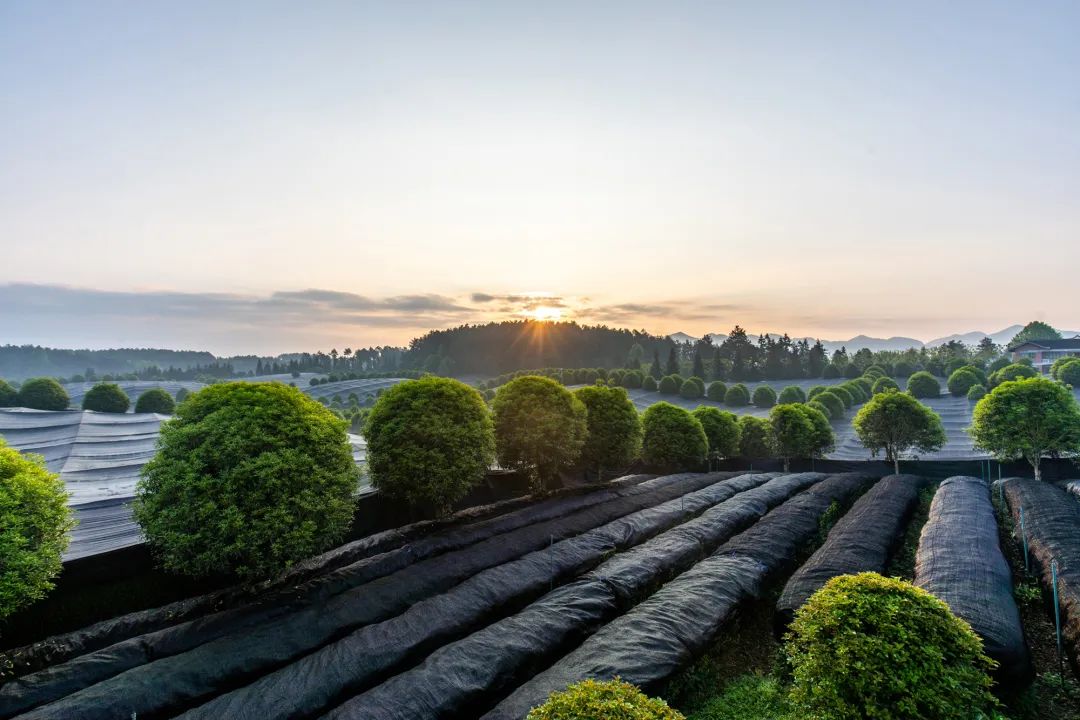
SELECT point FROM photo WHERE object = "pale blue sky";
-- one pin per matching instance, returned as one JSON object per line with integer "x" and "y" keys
{"x": 822, "y": 168}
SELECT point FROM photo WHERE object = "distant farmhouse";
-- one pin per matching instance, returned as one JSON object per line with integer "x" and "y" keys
{"x": 1043, "y": 353}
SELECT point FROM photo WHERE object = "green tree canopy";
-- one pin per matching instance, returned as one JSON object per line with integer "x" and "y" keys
{"x": 976, "y": 393}
{"x": 833, "y": 402}
{"x": 43, "y": 393}
{"x": 716, "y": 391}
{"x": 613, "y": 440}
{"x": 721, "y": 430}
{"x": 754, "y": 438}
{"x": 9, "y": 397}
{"x": 764, "y": 396}
{"x": 603, "y": 700}
{"x": 1030, "y": 418}
{"x": 430, "y": 441}
{"x": 1069, "y": 373}
{"x": 962, "y": 380}
{"x": 106, "y": 397}
{"x": 34, "y": 522}
{"x": 649, "y": 384}
{"x": 884, "y": 384}
{"x": 737, "y": 396}
{"x": 540, "y": 428}
{"x": 1015, "y": 371}
{"x": 692, "y": 388}
{"x": 668, "y": 385}
{"x": 249, "y": 478}
{"x": 1035, "y": 330}
{"x": 673, "y": 438}
{"x": 895, "y": 423}
{"x": 791, "y": 394}
{"x": 923, "y": 385}
{"x": 795, "y": 434}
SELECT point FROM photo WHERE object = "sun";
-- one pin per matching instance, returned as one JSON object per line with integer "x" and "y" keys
{"x": 545, "y": 313}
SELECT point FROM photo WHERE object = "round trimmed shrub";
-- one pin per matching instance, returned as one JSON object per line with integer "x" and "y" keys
{"x": 34, "y": 521}
{"x": 737, "y": 396}
{"x": 833, "y": 402}
{"x": 721, "y": 430}
{"x": 1069, "y": 373}
{"x": 820, "y": 407}
{"x": 764, "y": 396}
{"x": 815, "y": 391}
{"x": 8, "y": 395}
{"x": 876, "y": 369}
{"x": 673, "y": 438}
{"x": 851, "y": 371}
{"x": 156, "y": 400}
{"x": 603, "y": 700}
{"x": 883, "y": 384}
{"x": 106, "y": 397}
{"x": 845, "y": 397}
{"x": 632, "y": 379}
{"x": 961, "y": 381}
{"x": 955, "y": 364}
{"x": 692, "y": 388}
{"x": 1015, "y": 371}
{"x": 903, "y": 369}
{"x": 716, "y": 391}
{"x": 43, "y": 394}
{"x": 613, "y": 428}
{"x": 755, "y": 437}
{"x": 866, "y": 385}
{"x": 649, "y": 384}
{"x": 540, "y": 428}
{"x": 791, "y": 394}
{"x": 855, "y": 390}
{"x": 669, "y": 385}
{"x": 249, "y": 478}
{"x": 866, "y": 646}
{"x": 923, "y": 385}
{"x": 998, "y": 363}
{"x": 831, "y": 372}
{"x": 976, "y": 393}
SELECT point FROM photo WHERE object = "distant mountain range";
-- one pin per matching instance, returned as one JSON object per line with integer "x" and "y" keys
{"x": 1001, "y": 337}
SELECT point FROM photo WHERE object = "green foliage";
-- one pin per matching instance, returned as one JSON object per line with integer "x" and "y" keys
{"x": 716, "y": 391}
{"x": 540, "y": 428}
{"x": 820, "y": 407}
{"x": 755, "y": 437}
{"x": 155, "y": 400}
{"x": 955, "y": 364}
{"x": 721, "y": 430}
{"x": 669, "y": 385}
{"x": 851, "y": 371}
{"x": 34, "y": 521}
{"x": 856, "y": 391}
{"x": 692, "y": 388}
{"x": 833, "y": 402}
{"x": 1015, "y": 371}
{"x": 815, "y": 391}
{"x": 43, "y": 394}
{"x": 865, "y": 646}
{"x": 182, "y": 395}
{"x": 923, "y": 385}
{"x": 997, "y": 364}
{"x": 603, "y": 700}
{"x": 106, "y": 397}
{"x": 799, "y": 431}
{"x": 866, "y": 385}
{"x": 894, "y": 423}
{"x": 9, "y": 397}
{"x": 903, "y": 369}
{"x": 673, "y": 438}
{"x": 884, "y": 384}
{"x": 764, "y": 396}
{"x": 875, "y": 370}
{"x": 632, "y": 379}
{"x": 429, "y": 442}
{"x": 791, "y": 394}
{"x": 1069, "y": 373}
{"x": 248, "y": 479}
{"x": 832, "y": 372}
{"x": 976, "y": 393}
{"x": 845, "y": 397}
{"x": 649, "y": 384}
{"x": 1035, "y": 330}
{"x": 737, "y": 396}
{"x": 613, "y": 438}
{"x": 750, "y": 697}
{"x": 1028, "y": 418}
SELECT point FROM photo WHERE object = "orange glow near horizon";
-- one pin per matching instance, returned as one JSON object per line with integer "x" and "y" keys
{"x": 545, "y": 313}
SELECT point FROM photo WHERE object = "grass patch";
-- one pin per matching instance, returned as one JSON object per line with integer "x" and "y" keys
{"x": 902, "y": 564}
{"x": 750, "y": 697}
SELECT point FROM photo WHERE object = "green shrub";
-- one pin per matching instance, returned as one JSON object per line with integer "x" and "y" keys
{"x": 820, "y": 407}
{"x": 716, "y": 391}
{"x": 903, "y": 369}
{"x": 833, "y": 402}
{"x": 764, "y": 396}
{"x": 851, "y": 371}
{"x": 791, "y": 394}
{"x": 632, "y": 379}
{"x": 649, "y": 384}
{"x": 866, "y": 385}
{"x": 737, "y": 396}
{"x": 34, "y": 521}
{"x": 877, "y": 370}
{"x": 182, "y": 395}
{"x": 673, "y": 438}
{"x": 998, "y": 363}
{"x": 613, "y": 428}
{"x": 692, "y": 388}
{"x": 106, "y": 397}
{"x": 669, "y": 385}
{"x": 799, "y": 431}
{"x": 248, "y": 479}
{"x": 815, "y": 391}
{"x": 955, "y": 364}
{"x": 832, "y": 372}
{"x": 1015, "y": 371}
{"x": 155, "y": 400}
{"x": 750, "y": 697}
{"x": 855, "y": 390}
{"x": 721, "y": 430}
{"x": 9, "y": 397}
{"x": 1069, "y": 373}
{"x": 845, "y": 397}
{"x": 962, "y": 380}
{"x": 884, "y": 384}
{"x": 43, "y": 394}
{"x": 894, "y": 423}
{"x": 923, "y": 385}
{"x": 976, "y": 393}
{"x": 603, "y": 700}
{"x": 865, "y": 646}
{"x": 755, "y": 437}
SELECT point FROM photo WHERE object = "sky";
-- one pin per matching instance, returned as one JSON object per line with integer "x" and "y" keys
{"x": 279, "y": 176}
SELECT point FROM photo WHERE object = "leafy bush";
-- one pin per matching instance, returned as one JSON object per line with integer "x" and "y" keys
{"x": 923, "y": 385}
{"x": 603, "y": 700}
{"x": 833, "y": 402}
{"x": 820, "y": 407}
{"x": 751, "y": 697}
{"x": 815, "y": 391}
{"x": 955, "y": 364}
{"x": 845, "y": 397}
{"x": 865, "y": 646}
{"x": 851, "y": 371}
{"x": 721, "y": 430}
{"x": 668, "y": 385}
{"x": 313, "y": 381}
{"x": 649, "y": 384}
{"x": 755, "y": 439}
{"x": 613, "y": 437}
{"x": 1015, "y": 371}
{"x": 248, "y": 479}
{"x": 43, "y": 394}
{"x": 903, "y": 369}
{"x": 673, "y": 438}
{"x": 632, "y": 379}
{"x": 106, "y": 397}
{"x": 976, "y": 393}
{"x": 884, "y": 384}
{"x": 962, "y": 380}
{"x": 791, "y": 394}
{"x": 155, "y": 400}
{"x": 894, "y": 423}
{"x": 1070, "y": 373}
{"x": 831, "y": 372}
{"x": 692, "y": 388}
{"x": 34, "y": 521}
{"x": 764, "y": 396}
{"x": 182, "y": 395}
{"x": 998, "y": 363}
{"x": 866, "y": 385}
{"x": 716, "y": 391}
{"x": 855, "y": 390}
{"x": 8, "y": 395}
{"x": 797, "y": 433}
{"x": 875, "y": 370}
{"x": 737, "y": 396}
